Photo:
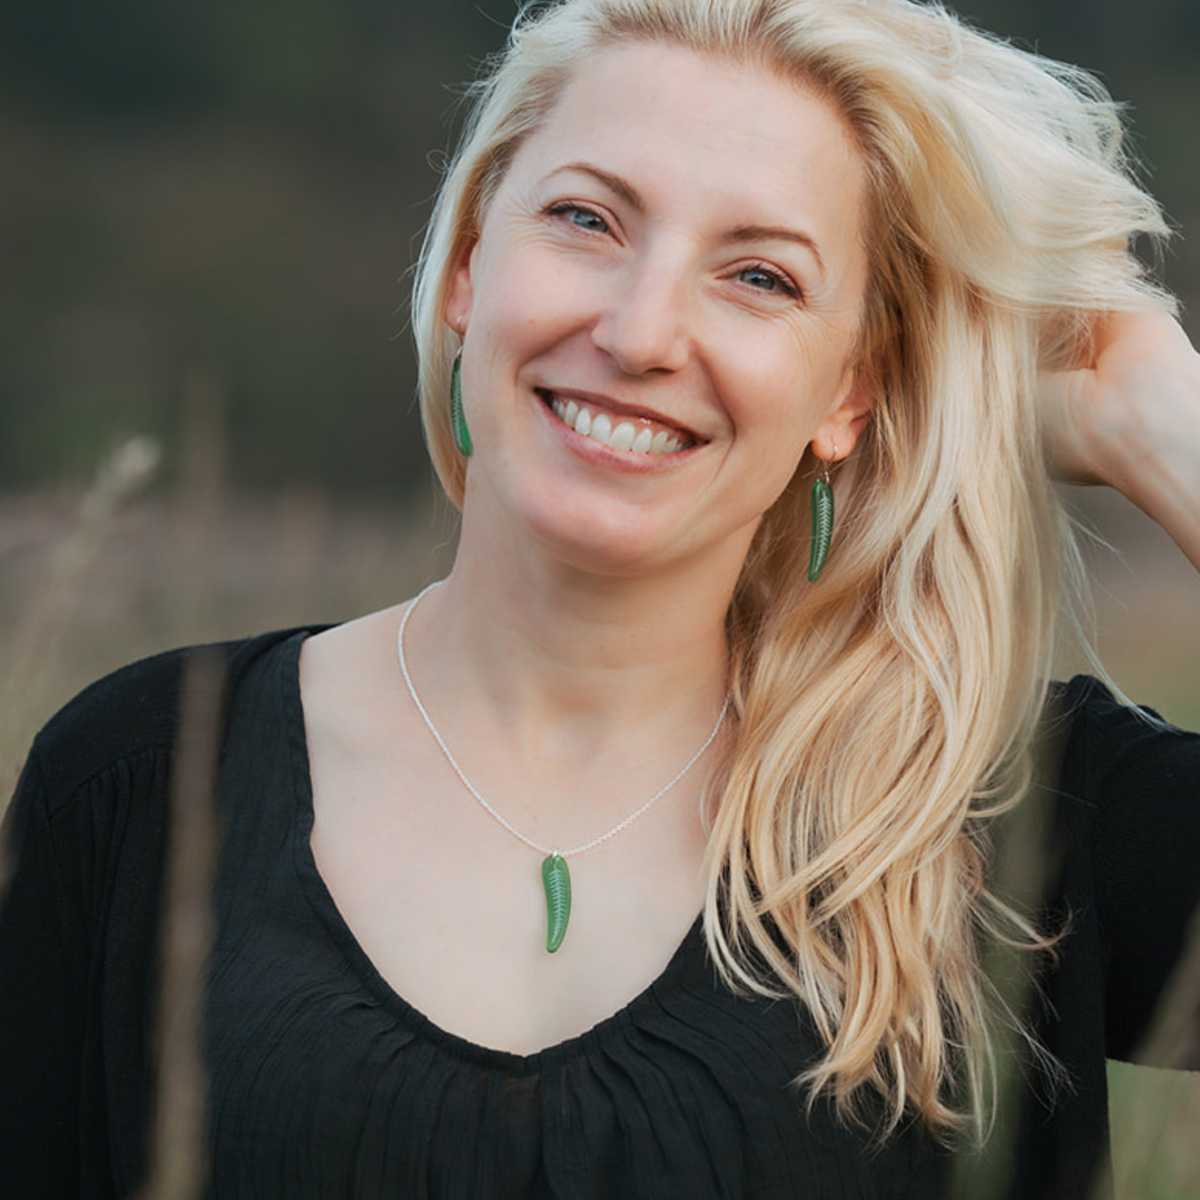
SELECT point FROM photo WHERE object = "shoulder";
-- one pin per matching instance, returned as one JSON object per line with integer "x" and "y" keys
{"x": 131, "y": 714}
{"x": 1128, "y": 781}
{"x": 1128, "y": 812}
{"x": 1109, "y": 746}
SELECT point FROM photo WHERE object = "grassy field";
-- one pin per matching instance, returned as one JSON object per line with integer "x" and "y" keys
{"x": 86, "y": 586}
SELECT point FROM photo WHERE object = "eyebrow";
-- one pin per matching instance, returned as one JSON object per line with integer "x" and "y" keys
{"x": 614, "y": 183}
{"x": 776, "y": 233}
{"x": 740, "y": 235}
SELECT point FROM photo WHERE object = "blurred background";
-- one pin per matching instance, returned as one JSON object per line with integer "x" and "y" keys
{"x": 208, "y": 214}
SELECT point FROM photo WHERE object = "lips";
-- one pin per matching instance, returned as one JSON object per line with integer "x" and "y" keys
{"x": 618, "y": 431}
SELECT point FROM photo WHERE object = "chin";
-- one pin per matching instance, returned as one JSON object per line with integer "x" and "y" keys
{"x": 629, "y": 546}
{"x": 597, "y": 551}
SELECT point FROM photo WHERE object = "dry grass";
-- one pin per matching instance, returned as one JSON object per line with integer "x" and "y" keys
{"x": 158, "y": 574}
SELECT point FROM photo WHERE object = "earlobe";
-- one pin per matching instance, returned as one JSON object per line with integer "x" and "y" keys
{"x": 836, "y": 436}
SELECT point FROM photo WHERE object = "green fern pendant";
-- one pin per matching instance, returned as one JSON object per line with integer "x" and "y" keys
{"x": 822, "y": 528}
{"x": 458, "y": 419}
{"x": 556, "y": 880}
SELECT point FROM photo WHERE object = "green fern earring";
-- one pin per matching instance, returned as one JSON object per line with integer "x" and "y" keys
{"x": 458, "y": 419}
{"x": 822, "y": 524}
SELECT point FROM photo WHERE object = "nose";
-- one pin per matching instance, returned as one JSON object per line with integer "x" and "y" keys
{"x": 644, "y": 325}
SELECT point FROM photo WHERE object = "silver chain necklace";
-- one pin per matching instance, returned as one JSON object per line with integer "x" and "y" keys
{"x": 556, "y": 877}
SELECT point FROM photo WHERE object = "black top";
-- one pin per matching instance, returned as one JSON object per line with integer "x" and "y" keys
{"x": 325, "y": 1083}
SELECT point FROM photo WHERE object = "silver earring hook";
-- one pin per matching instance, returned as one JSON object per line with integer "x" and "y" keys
{"x": 827, "y": 462}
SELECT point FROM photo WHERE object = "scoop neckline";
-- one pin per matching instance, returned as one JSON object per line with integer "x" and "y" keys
{"x": 689, "y": 958}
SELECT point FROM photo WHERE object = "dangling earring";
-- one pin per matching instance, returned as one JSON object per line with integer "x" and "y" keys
{"x": 822, "y": 523}
{"x": 458, "y": 419}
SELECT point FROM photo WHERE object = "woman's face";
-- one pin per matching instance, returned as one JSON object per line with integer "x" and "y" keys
{"x": 660, "y": 309}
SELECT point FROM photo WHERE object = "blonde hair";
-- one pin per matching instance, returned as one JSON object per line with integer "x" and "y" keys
{"x": 886, "y": 712}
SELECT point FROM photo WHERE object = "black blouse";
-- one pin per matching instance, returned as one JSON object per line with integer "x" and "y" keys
{"x": 326, "y": 1083}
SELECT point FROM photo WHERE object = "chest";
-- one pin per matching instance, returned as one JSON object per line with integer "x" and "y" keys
{"x": 455, "y": 912}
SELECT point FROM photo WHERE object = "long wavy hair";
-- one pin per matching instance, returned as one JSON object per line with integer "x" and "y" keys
{"x": 886, "y": 711}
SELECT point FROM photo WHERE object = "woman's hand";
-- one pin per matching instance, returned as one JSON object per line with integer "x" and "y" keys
{"x": 1132, "y": 421}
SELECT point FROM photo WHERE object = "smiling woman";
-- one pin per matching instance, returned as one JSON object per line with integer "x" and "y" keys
{"x": 515, "y": 874}
{"x": 698, "y": 278}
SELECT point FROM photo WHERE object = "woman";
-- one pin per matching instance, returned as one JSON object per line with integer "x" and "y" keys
{"x": 692, "y": 257}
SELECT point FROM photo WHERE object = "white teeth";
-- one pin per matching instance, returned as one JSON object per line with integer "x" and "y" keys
{"x": 622, "y": 436}
{"x": 601, "y": 429}
{"x": 626, "y": 436}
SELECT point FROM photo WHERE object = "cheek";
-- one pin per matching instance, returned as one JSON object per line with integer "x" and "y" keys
{"x": 523, "y": 310}
{"x": 783, "y": 389}
{"x": 771, "y": 419}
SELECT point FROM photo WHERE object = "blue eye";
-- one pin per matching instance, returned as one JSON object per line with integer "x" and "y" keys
{"x": 583, "y": 218}
{"x": 589, "y": 220}
{"x": 764, "y": 279}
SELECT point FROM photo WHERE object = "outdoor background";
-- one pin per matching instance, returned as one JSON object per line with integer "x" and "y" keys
{"x": 208, "y": 214}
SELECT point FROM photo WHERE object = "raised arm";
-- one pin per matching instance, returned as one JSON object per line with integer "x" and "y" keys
{"x": 1132, "y": 421}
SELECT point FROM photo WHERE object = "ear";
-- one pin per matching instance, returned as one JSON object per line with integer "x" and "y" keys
{"x": 835, "y": 437}
{"x": 460, "y": 293}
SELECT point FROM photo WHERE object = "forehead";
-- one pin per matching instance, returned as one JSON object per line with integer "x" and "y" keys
{"x": 737, "y": 135}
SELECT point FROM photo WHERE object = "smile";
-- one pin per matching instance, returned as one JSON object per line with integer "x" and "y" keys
{"x": 636, "y": 435}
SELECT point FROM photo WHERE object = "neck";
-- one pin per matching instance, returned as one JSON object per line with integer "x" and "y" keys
{"x": 568, "y": 663}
